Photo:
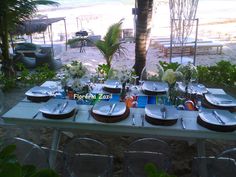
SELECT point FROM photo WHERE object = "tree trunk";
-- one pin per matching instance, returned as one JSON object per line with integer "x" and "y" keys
{"x": 7, "y": 67}
{"x": 143, "y": 30}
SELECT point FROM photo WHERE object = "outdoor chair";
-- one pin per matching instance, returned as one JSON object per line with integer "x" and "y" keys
{"x": 28, "y": 49}
{"x": 45, "y": 56}
{"x": 88, "y": 157}
{"x": 28, "y": 62}
{"x": 213, "y": 167}
{"x": 58, "y": 162}
{"x": 145, "y": 151}
{"x": 28, "y": 153}
{"x": 230, "y": 153}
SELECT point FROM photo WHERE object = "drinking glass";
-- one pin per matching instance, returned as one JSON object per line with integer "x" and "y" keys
{"x": 199, "y": 102}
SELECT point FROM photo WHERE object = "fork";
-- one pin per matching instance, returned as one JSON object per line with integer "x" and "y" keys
{"x": 133, "y": 120}
{"x": 36, "y": 114}
{"x": 182, "y": 123}
{"x": 75, "y": 114}
{"x": 89, "y": 112}
{"x": 142, "y": 118}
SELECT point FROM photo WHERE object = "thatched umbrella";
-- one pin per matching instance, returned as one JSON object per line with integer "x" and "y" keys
{"x": 37, "y": 26}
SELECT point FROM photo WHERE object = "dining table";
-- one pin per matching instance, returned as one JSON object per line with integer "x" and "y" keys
{"x": 26, "y": 113}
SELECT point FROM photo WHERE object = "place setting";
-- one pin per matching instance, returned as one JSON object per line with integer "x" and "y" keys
{"x": 192, "y": 88}
{"x": 59, "y": 109}
{"x": 161, "y": 114}
{"x": 217, "y": 120}
{"x": 110, "y": 112}
{"x": 40, "y": 94}
{"x": 112, "y": 86}
{"x": 154, "y": 88}
{"x": 220, "y": 101}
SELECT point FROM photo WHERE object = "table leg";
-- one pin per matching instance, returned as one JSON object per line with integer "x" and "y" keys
{"x": 54, "y": 146}
{"x": 201, "y": 151}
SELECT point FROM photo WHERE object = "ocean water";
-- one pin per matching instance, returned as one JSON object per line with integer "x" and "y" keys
{"x": 69, "y": 3}
{"x": 206, "y": 8}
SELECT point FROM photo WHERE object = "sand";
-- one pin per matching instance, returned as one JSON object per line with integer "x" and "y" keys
{"x": 98, "y": 17}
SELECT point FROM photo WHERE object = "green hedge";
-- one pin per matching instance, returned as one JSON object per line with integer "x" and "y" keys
{"x": 222, "y": 73}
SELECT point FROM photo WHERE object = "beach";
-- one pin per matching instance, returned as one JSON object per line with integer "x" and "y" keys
{"x": 215, "y": 24}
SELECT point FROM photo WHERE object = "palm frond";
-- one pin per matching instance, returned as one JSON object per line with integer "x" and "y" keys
{"x": 45, "y": 2}
{"x": 110, "y": 44}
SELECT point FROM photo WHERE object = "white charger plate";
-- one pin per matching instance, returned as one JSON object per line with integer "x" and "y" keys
{"x": 155, "y": 86}
{"x": 193, "y": 87}
{"x": 223, "y": 100}
{"x": 38, "y": 91}
{"x": 225, "y": 116}
{"x": 53, "y": 107}
{"x": 103, "y": 108}
{"x": 112, "y": 84}
{"x": 153, "y": 111}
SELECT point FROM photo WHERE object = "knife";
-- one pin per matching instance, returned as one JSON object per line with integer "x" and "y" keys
{"x": 75, "y": 114}
{"x": 112, "y": 109}
{"x": 40, "y": 92}
{"x": 182, "y": 123}
{"x": 225, "y": 101}
{"x": 218, "y": 117}
{"x": 63, "y": 107}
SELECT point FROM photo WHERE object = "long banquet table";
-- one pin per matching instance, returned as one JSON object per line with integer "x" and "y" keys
{"x": 23, "y": 114}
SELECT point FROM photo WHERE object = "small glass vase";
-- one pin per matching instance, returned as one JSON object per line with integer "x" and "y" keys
{"x": 172, "y": 93}
{"x": 123, "y": 92}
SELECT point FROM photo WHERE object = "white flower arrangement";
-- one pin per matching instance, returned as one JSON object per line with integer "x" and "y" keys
{"x": 122, "y": 75}
{"x": 74, "y": 70}
{"x": 73, "y": 74}
{"x": 170, "y": 76}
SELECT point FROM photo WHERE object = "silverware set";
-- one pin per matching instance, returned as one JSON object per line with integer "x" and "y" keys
{"x": 218, "y": 118}
{"x": 63, "y": 107}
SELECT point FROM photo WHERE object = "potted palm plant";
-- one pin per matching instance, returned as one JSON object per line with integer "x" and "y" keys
{"x": 111, "y": 45}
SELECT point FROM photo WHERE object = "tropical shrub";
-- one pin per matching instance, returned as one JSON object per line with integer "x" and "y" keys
{"x": 9, "y": 166}
{"x": 110, "y": 45}
{"x": 153, "y": 171}
{"x": 222, "y": 73}
{"x": 166, "y": 65}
